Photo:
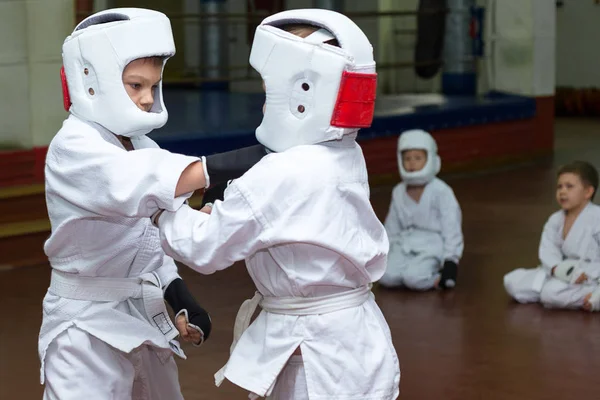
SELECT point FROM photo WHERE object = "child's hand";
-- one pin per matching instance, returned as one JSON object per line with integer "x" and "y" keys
{"x": 187, "y": 333}
{"x": 207, "y": 208}
{"x": 582, "y": 278}
{"x": 569, "y": 271}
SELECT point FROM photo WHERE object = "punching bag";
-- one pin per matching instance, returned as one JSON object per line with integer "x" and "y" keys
{"x": 459, "y": 77}
{"x": 431, "y": 28}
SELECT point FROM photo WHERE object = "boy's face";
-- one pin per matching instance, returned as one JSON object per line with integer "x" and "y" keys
{"x": 414, "y": 160}
{"x": 571, "y": 192}
{"x": 141, "y": 77}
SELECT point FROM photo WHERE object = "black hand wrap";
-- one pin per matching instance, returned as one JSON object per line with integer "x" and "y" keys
{"x": 223, "y": 167}
{"x": 214, "y": 193}
{"x": 179, "y": 298}
{"x": 449, "y": 275}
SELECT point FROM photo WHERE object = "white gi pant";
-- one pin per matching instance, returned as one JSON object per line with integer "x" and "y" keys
{"x": 534, "y": 285}
{"x": 79, "y": 366}
{"x": 291, "y": 382}
{"x": 416, "y": 272}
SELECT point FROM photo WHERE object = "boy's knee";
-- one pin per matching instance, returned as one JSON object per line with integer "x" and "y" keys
{"x": 418, "y": 281}
{"x": 520, "y": 286}
{"x": 549, "y": 295}
{"x": 391, "y": 280}
{"x": 510, "y": 282}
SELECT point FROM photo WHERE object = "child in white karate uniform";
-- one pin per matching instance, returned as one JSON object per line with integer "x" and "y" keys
{"x": 569, "y": 248}
{"x": 302, "y": 220}
{"x": 106, "y": 332}
{"x": 424, "y": 220}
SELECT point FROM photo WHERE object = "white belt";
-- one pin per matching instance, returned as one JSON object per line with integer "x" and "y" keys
{"x": 90, "y": 288}
{"x": 300, "y": 306}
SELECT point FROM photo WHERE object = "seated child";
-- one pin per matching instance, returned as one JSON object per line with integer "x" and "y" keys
{"x": 424, "y": 220}
{"x": 569, "y": 249}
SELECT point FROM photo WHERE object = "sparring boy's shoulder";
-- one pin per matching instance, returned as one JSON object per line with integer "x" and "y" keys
{"x": 76, "y": 137}
{"x": 555, "y": 220}
{"x": 298, "y": 164}
{"x": 399, "y": 189}
{"x": 294, "y": 173}
{"x": 442, "y": 187}
{"x": 593, "y": 211}
{"x": 274, "y": 168}
{"x": 73, "y": 134}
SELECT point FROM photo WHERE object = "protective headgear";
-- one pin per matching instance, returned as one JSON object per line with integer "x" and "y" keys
{"x": 417, "y": 139}
{"x": 94, "y": 57}
{"x": 316, "y": 92}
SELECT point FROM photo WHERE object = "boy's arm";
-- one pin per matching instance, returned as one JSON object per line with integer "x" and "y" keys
{"x": 208, "y": 243}
{"x": 214, "y": 193}
{"x": 392, "y": 221}
{"x": 451, "y": 221}
{"x": 223, "y": 167}
{"x": 180, "y": 299}
{"x": 218, "y": 169}
{"x": 182, "y": 302}
{"x": 549, "y": 251}
{"x": 104, "y": 179}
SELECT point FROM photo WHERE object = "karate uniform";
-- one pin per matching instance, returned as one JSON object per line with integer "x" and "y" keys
{"x": 99, "y": 198}
{"x": 303, "y": 222}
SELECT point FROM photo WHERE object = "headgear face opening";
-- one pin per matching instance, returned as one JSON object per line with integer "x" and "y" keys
{"x": 315, "y": 92}
{"x": 417, "y": 139}
{"x": 94, "y": 57}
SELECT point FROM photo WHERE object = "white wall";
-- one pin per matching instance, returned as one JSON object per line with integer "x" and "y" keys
{"x": 14, "y": 76}
{"x": 31, "y": 110}
{"x": 577, "y": 54}
{"x": 521, "y": 41}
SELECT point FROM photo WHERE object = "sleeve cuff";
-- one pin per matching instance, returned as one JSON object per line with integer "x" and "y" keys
{"x": 205, "y": 169}
{"x": 175, "y": 225}
{"x": 170, "y": 174}
{"x": 167, "y": 273}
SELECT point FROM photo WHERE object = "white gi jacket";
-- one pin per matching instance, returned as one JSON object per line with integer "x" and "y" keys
{"x": 431, "y": 227}
{"x": 98, "y": 196}
{"x": 582, "y": 242}
{"x": 303, "y": 222}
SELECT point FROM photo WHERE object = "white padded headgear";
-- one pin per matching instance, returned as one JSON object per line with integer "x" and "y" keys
{"x": 418, "y": 139}
{"x": 94, "y": 57}
{"x": 316, "y": 92}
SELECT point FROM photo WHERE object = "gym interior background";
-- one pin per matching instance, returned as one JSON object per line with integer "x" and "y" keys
{"x": 509, "y": 89}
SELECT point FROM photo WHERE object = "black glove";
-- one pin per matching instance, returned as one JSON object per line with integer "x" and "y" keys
{"x": 214, "y": 193}
{"x": 449, "y": 274}
{"x": 223, "y": 167}
{"x": 179, "y": 298}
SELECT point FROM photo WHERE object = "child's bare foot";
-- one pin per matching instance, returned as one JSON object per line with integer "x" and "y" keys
{"x": 587, "y": 306}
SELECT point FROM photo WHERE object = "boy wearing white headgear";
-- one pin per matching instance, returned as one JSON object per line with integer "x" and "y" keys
{"x": 424, "y": 220}
{"x": 106, "y": 332}
{"x": 302, "y": 220}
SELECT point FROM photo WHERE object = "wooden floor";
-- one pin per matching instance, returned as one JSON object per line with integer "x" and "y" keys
{"x": 472, "y": 343}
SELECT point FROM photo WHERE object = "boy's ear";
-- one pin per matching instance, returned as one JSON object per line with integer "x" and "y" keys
{"x": 589, "y": 191}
